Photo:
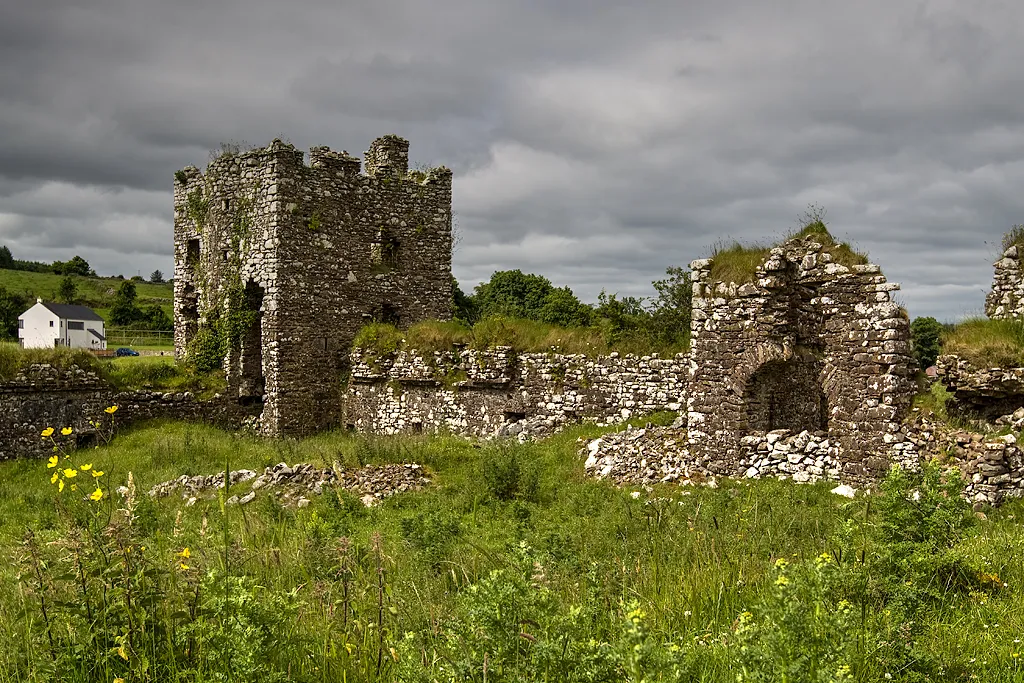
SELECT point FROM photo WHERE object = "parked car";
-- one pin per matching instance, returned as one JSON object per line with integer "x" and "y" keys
{"x": 125, "y": 351}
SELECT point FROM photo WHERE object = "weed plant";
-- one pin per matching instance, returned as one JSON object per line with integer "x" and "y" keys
{"x": 987, "y": 343}
{"x": 512, "y": 566}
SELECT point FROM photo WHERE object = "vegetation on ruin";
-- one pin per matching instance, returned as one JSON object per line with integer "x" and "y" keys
{"x": 987, "y": 343}
{"x": 522, "y": 336}
{"x": 1013, "y": 237}
{"x": 513, "y": 562}
{"x": 737, "y": 263}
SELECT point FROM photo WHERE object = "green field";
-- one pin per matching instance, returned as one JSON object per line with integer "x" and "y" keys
{"x": 513, "y": 566}
{"x": 95, "y": 292}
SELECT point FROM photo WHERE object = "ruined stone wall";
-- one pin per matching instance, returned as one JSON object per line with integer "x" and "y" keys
{"x": 43, "y": 396}
{"x": 309, "y": 254}
{"x": 486, "y": 393}
{"x": 810, "y": 345}
{"x": 1006, "y": 298}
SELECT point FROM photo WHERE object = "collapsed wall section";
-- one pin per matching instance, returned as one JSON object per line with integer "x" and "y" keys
{"x": 498, "y": 392}
{"x": 809, "y": 345}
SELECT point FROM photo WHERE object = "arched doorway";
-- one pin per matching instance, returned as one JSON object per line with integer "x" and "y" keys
{"x": 786, "y": 394}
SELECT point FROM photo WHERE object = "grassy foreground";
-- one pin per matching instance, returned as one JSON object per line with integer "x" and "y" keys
{"x": 513, "y": 567}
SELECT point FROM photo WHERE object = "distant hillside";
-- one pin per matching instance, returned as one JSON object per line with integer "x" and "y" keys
{"x": 94, "y": 292}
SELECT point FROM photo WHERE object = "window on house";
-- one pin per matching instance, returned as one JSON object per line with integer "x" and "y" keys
{"x": 51, "y": 323}
{"x": 21, "y": 324}
{"x": 72, "y": 325}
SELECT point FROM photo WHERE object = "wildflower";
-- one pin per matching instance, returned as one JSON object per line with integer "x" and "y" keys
{"x": 70, "y": 473}
{"x": 66, "y": 431}
{"x": 52, "y": 461}
{"x": 781, "y": 563}
{"x": 97, "y": 494}
{"x": 86, "y": 467}
{"x": 118, "y": 680}
{"x": 53, "y": 479}
{"x": 111, "y": 410}
{"x": 48, "y": 432}
{"x": 782, "y": 580}
{"x": 60, "y": 485}
{"x": 97, "y": 473}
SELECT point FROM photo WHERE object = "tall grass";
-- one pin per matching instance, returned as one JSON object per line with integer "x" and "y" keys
{"x": 737, "y": 263}
{"x": 513, "y": 563}
{"x": 13, "y": 359}
{"x": 521, "y": 335}
{"x": 987, "y": 343}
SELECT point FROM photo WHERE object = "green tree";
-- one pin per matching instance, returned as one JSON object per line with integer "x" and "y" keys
{"x": 6, "y": 259}
{"x": 125, "y": 311}
{"x": 514, "y": 294}
{"x": 156, "y": 277}
{"x": 561, "y": 307}
{"x": 11, "y": 306}
{"x": 68, "y": 290}
{"x": 671, "y": 310}
{"x": 76, "y": 266}
{"x": 156, "y": 318}
{"x": 464, "y": 305}
{"x": 925, "y": 336}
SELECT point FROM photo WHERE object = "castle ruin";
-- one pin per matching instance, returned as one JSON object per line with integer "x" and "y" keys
{"x": 810, "y": 344}
{"x": 278, "y": 264}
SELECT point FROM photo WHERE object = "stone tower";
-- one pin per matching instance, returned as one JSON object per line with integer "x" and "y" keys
{"x": 278, "y": 264}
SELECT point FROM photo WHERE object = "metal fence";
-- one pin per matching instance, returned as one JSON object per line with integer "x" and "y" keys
{"x": 129, "y": 336}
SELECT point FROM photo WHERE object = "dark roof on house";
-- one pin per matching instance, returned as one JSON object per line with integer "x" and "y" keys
{"x": 97, "y": 335}
{"x": 72, "y": 312}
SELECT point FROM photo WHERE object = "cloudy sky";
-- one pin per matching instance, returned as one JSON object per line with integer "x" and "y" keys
{"x": 595, "y": 143}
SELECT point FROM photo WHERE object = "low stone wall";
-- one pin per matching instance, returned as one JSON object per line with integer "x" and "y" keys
{"x": 987, "y": 393}
{"x": 42, "y": 396}
{"x": 498, "y": 392}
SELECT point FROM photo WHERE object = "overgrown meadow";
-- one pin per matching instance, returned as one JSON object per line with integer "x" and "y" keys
{"x": 512, "y": 567}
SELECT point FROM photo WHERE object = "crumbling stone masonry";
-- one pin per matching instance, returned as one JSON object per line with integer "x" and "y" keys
{"x": 810, "y": 345}
{"x": 1006, "y": 298}
{"x": 278, "y": 264}
{"x": 500, "y": 393}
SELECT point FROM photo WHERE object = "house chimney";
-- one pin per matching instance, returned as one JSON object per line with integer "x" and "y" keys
{"x": 39, "y": 299}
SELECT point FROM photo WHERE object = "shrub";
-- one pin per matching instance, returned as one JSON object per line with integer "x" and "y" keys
{"x": 507, "y": 475}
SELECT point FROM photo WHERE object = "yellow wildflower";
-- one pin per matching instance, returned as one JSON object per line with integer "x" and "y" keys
{"x": 111, "y": 410}
{"x": 118, "y": 680}
{"x": 97, "y": 473}
{"x": 48, "y": 432}
{"x": 52, "y": 462}
{"x": 70, "y": 473}
{"x": 60, "y": 485}
{"x": 783, "y": 580}
{"x": 66, "y": 431}
{"x": 53, "y": 479}
{"x": 97, "y": 494}
{"x": 781, "y": 563}
{"x": 86, "y": 467}
{"x": 185, "y": 553}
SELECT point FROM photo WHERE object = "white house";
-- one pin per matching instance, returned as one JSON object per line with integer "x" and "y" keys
{"x": 45, "y": 326}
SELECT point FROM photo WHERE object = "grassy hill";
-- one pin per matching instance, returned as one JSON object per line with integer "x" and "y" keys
{"x": 94, "y": 292}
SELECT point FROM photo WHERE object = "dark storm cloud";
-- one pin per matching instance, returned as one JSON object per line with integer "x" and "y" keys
{"x": 595, "y": 143}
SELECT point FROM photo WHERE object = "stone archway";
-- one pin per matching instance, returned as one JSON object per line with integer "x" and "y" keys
{"x": 786, "y": 394}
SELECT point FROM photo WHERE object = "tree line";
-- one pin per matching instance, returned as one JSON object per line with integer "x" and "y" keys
{"x": 663, "y": 320}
